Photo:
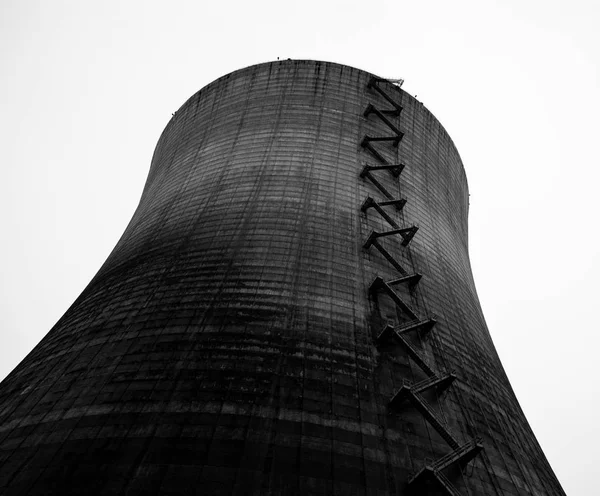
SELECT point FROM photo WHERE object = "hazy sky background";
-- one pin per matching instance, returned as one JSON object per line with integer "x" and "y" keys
{"x": 87, "y": 87}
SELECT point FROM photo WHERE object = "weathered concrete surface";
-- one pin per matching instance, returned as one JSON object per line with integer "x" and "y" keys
{"x": 227, "y": 345}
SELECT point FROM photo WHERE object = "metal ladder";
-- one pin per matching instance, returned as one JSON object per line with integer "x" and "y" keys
{"x": 459, "y": 454}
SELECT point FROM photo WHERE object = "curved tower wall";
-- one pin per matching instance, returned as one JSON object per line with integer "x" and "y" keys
{"x": 276, "y": 319}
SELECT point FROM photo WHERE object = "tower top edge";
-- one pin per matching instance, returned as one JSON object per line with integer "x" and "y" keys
{"x": 287, "y": 61}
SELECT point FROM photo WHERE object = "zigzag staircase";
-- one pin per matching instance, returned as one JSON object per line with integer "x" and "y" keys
{"x": 409, "y": 393}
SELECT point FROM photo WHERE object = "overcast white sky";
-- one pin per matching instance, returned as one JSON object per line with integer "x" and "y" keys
{"x": 87, "y": 87}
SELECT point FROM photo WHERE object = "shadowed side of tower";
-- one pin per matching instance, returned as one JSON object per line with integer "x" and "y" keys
{"x": 290, "y": 310}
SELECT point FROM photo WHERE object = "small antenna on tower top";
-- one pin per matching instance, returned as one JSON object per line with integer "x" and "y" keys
{"x": 396, "y": 82}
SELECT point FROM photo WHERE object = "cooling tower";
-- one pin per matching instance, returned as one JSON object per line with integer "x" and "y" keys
{"x": 290, "y": 311}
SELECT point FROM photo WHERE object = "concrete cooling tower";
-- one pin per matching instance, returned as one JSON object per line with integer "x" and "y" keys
{"x": 291, "y": 311}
